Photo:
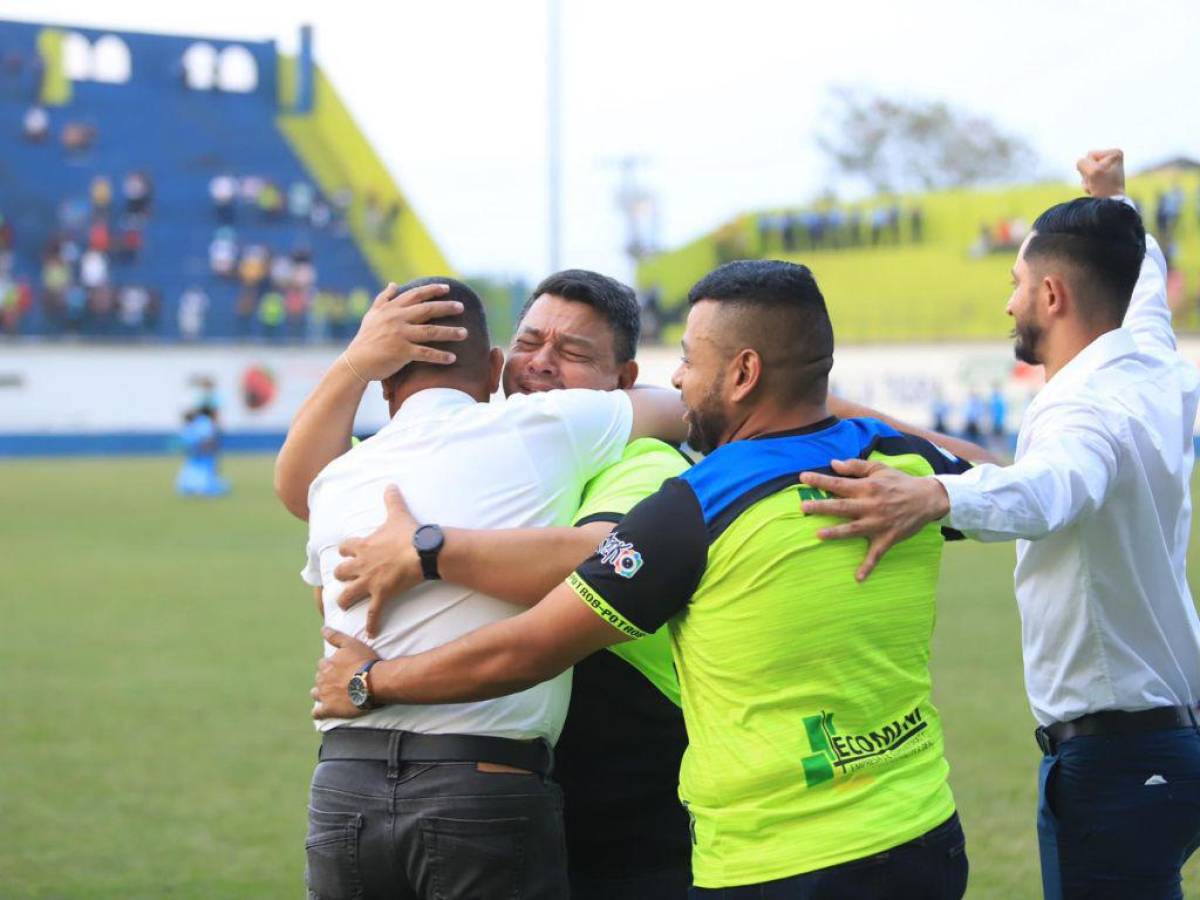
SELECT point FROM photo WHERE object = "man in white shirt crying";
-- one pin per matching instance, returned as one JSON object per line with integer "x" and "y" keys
{"x": 1098, "y": 502}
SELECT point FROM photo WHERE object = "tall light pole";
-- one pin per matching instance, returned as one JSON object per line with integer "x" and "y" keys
{"x": 554, "y": 131}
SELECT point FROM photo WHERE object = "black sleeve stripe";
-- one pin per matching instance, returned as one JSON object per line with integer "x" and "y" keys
{"x": 650, "y": 565}
{"x": 612, "y": 517}
{"x": 910, "y": 443}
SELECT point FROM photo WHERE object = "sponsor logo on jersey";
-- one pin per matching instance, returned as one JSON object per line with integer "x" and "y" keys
{"x": 621, "y": 555}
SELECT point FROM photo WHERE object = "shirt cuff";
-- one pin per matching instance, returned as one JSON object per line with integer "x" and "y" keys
{"x": 966, "y": 505}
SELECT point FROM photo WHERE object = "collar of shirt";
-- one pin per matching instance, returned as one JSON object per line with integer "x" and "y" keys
{"x": 1109, "y": 346}
{"x": 431, "y": 400}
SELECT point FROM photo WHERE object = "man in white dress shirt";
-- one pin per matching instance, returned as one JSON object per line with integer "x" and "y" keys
{"x": 1098, "y": 502}
{"x": 451, "y": 800}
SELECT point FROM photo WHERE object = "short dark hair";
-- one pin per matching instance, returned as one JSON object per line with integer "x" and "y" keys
{"x": 1104, "y": 240}
{"x": 471, "y": 354}
{"x": 782, "y": 316}
{"x": 616, "y": 302}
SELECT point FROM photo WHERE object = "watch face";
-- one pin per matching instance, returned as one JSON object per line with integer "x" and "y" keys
{"x": 428, "y": 538}
{"x": 359, "y": 695}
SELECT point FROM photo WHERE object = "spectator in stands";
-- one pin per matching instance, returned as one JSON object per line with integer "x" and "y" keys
{"x": 101, "y": 304}
{"x": 93, "y": 269}
{"x": 99, "y": 237}
{"x": 193, "y": 308}
{"x": 270, "y": 200}
{"x": 300, "y": 199}
{"x": 132, "y": 303}
{"x": 249, "y": 187}
{"x": 222, "y": 189}
{"x": 100, "y": 193}
{"x": 998, "y": 410}
{"x": 296, "y": 308}
{"x": 15, "y": 300}
{"x": 339, "y": 315}
{"x": 390, "y": 216}
{"x": 223, "y": 252}
{"x": 372, "y": 216}
{"x": 321, "y": 216}
{"x": 916, "y": 224}
{"x": 357, "y": 305}
{"x": 129, "y": 241}
{"x": 35, "y": 126}
{"x": 243, "y": 311}
{"x": 318, "y": 318}
{"x": 138, "y": 192}
{"x": 77, "y": 308}
{"x": 78, "y": 137}
{"x": 281, "y": 271}
{"x": 6, "y": 242}
{"x": 973, "y": 417}
{"x": 56, "y": 279}
{"x": 271, "y": 314}
{"x": 304, "y": 272}
{"x": 940, "y": 412}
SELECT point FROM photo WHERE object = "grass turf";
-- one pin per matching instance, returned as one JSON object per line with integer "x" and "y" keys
{"x": 158, "y": 655}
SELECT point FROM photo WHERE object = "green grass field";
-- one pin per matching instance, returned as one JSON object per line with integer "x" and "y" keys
{"x": 158, "y": 654}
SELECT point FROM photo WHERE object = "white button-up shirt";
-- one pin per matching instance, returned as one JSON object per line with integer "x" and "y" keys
{"x": 515, "y": 463}
{"x": 1098, "y": 498}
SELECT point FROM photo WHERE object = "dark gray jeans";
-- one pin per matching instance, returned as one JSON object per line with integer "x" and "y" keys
{"x": 440, "y": 831}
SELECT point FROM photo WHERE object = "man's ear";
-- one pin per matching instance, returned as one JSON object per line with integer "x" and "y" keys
{"x": 745, "y": 374}
{"x": 627, "y": 375}
{"x": 1057, "y": 296}
{"x": 495, "y": 369}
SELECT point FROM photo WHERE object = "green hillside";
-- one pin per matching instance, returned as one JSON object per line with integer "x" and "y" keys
{"x": 930, "y": 290}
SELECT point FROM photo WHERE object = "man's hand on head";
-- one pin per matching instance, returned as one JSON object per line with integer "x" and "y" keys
{"x": 331, "y": 695}
{"x": 396, "y": 328}
{"x": 1103, "y": 172}
{"x": 883, "y": 505}
{"x": 383, "y": 564}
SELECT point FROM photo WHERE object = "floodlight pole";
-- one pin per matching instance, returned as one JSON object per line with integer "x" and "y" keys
{"x": 554, "y": 131}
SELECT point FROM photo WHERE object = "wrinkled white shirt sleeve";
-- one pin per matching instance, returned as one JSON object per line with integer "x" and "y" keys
{"x": 1066, "y": 473}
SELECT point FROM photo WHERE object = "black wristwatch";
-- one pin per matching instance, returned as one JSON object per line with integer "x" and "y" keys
{"x": 359, "y": 687}
{"x": 428, "y": 540}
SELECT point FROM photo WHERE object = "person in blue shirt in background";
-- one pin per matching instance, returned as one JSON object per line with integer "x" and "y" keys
{"x": 201, "y": 444}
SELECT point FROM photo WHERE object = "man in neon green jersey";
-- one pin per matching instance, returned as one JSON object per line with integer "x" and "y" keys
{"x": 815, "y": 759}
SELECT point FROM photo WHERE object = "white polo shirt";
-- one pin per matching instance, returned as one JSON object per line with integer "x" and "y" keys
{"x": 1099, "y": 500}
{"x": 521, "y": 462}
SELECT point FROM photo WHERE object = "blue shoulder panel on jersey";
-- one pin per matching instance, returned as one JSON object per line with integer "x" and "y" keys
{"x": 731, "y": 471}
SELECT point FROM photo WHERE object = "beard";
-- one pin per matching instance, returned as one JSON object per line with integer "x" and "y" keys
{"x": 1026, "y": 337}
{"x": 706, "y": 421}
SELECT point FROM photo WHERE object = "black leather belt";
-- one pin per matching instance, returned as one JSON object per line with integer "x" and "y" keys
{"x": 1116, "y": 722}
{"x": 386, "y": 745}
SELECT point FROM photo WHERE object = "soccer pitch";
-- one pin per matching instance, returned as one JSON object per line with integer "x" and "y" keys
{"x": 157, "y": 661}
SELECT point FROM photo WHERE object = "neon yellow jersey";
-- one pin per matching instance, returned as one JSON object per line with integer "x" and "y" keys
{"x": 812, "y": 738}
{"x": 641, "y": 471}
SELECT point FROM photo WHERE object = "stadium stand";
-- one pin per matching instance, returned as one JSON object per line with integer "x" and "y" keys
{"x": 939, "y": 266}
{"x": 183, "y": 188}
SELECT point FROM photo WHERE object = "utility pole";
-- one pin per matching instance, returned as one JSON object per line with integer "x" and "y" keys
{"x": 639, "y": 208}
{"x": 554, "y": 131}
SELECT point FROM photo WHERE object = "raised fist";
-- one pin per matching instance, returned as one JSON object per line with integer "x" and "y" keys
{"x": 1103, "y": 172}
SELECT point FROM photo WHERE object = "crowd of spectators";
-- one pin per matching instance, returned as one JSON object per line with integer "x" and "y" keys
{"x": 84, "y": 290}
{"x": 835, "y": 228}
{"x": 1005, "y": 235}
{"x": 236, "y": 198}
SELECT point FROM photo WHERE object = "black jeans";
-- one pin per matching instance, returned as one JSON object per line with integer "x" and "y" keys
{"x": 433, "y": 831}
{"x": 930, "y": 867}
{"x": 1119, "y": 815}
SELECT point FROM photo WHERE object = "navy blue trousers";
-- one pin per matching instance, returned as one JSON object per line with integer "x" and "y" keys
{"x": 1118, "y": 816}
{"x": 930, "y": 867}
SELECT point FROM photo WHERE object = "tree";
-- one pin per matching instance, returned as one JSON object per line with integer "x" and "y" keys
{"x": 898, "y": 145}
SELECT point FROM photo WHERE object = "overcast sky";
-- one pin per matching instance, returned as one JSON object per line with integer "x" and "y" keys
{"x": 720, "y": 99}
